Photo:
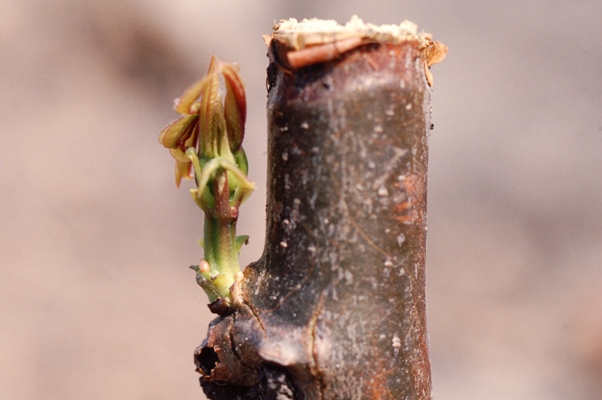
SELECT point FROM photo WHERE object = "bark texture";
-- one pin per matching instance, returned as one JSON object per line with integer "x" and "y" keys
{"x": 335, "y": 308}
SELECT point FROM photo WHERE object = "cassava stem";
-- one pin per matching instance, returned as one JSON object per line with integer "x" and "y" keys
{"x": 335, "y": 308}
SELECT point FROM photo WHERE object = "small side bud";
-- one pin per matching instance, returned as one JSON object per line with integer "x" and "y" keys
{"x": 204, "y": 266}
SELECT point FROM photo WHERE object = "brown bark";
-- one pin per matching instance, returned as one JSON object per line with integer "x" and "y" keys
{"x": 335, "y": 308}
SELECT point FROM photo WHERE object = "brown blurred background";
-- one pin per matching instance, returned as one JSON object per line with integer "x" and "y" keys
{"x": 96, "y": 300}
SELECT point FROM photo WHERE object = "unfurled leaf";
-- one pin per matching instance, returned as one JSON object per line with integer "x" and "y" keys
{"x": 178, "y": 131}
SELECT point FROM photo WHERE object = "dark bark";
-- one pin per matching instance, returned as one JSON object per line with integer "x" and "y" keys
{"x": 335, "y": 308}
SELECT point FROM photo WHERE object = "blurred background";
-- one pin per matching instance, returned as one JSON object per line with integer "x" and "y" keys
{"x": 96, "y": 298}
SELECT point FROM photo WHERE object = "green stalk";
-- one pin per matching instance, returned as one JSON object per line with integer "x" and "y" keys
{"x": 221, "y": 254}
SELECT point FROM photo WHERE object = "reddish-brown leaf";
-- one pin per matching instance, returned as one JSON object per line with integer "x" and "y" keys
{"x": 235, "y": 106}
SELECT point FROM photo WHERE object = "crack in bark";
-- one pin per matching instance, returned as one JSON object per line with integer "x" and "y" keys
{"x": 315, "y": 368}
{"x": 345, "y": 207}
{"x": 283, "y": 298}
{"x": 246, "y": 302}
{"x": 337, "y": 190}
{"x": 231, "y": 338}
